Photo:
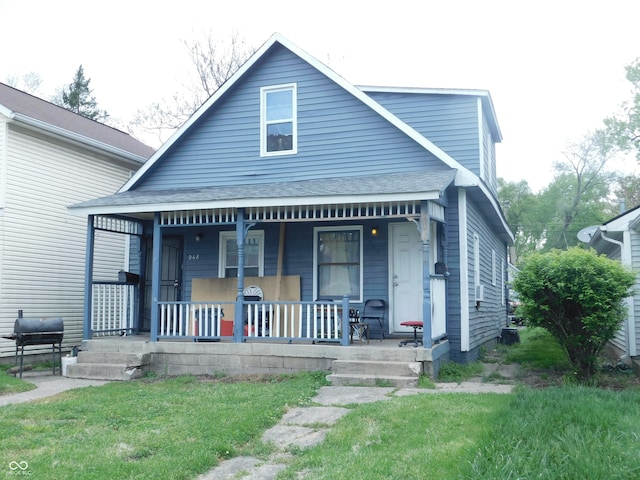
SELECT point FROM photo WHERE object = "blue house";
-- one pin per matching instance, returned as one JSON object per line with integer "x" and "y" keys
{"x": 292, "y": 196}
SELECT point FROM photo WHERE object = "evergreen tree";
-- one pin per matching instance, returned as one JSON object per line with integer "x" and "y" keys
{"x": 77, "y": 97}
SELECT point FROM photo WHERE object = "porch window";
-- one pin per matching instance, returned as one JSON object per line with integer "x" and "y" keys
{"x": 338, "y": 262}
{"x": 278, "y": 120}
{"x": 253, "y": 254}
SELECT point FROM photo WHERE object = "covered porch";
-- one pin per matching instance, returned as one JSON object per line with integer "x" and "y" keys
{"x": 196, "y": 313}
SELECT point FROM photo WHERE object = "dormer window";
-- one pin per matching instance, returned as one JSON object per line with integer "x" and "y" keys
{"x": 278, "y": 125}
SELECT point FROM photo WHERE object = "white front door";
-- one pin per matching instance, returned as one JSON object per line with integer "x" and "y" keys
{"x": 406, "y": 275}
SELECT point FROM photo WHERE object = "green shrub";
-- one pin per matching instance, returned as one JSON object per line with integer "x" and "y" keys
{"x": 577, "y": 296}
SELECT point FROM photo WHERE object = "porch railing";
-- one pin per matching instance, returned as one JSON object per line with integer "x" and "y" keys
{"x": 315, "y": 321}
{"x": 113, "y": 308}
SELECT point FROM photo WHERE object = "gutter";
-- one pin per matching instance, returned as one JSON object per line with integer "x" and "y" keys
{"x": 76, "y": 138}
{"x": 629, "y": 325}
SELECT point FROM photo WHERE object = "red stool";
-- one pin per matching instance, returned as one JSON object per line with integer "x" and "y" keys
{"x": 415, "y": 324}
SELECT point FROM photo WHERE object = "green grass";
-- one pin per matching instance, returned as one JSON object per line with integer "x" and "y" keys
{"x": 560, "y": 433}
{"x": 11, "y": 384}
{"x": 161, "y": 429}
{"x": 538, "y": 349}
{"x": 456, "y": 372}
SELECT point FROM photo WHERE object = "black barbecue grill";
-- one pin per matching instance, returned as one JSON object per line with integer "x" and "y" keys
{"x": 38, "y": 331}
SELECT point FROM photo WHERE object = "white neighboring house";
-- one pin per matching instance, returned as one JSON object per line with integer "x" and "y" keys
{"x": 51, "y": 158}
{"x": 619, "y": 239}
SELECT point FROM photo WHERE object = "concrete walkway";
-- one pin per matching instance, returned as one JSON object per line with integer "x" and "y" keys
{"x": 300, "y": 427}
{"x": 307, "y": 426}
{"x": 47, "y": 385}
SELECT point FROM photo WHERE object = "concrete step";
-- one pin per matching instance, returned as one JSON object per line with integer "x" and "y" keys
{"x": 110, "y": 372}
{"x": 370, "y": 367}
{"x": 114, "y": 358}
{"x": 338, "y": 379}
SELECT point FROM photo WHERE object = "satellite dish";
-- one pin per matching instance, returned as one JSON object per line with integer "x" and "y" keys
{"x": 587, "y": 233}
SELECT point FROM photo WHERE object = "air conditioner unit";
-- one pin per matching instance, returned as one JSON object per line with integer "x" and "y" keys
{"x": 479, "y": 293}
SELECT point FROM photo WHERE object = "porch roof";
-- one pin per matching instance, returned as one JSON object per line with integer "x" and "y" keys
{"x": 404, "y": 186}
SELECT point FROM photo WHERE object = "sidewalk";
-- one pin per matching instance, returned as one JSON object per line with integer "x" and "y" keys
{"x": 46, "y": 384}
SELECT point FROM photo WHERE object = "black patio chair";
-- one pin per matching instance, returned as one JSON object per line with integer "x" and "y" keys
{"x": 374, "y": 310}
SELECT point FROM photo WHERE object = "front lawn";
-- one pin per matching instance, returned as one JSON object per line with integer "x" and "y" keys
{"x": 150, "y": 429}
{"x": 554, "y": 433}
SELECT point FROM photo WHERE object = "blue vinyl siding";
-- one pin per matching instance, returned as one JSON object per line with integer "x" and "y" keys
{"x": 201, "y": 258}
{"x": 489, "y": 157}
{"x": 337, "y": 136}
{"x": 449, "y": 121}
{"x": 485, "y": 322}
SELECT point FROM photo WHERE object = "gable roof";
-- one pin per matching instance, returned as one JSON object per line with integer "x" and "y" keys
{"x": 35, "y": 113}
{"x": 464, "y": 177}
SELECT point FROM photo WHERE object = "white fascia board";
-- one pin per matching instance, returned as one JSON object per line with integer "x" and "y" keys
{"x": 76, "y": 138}
{"x": 253, "y": 203}
{"x": 321, "y": 67}
{"x": 7, "y": 112}
{"x": 465, "y": 179}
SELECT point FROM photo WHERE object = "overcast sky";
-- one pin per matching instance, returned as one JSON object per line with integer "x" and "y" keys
{"x": 554, "y": 69}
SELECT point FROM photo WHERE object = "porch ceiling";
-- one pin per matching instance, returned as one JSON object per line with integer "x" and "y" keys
{"x": 397, "y": 187}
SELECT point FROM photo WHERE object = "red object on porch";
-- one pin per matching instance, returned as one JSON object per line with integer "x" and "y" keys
{"x": 415, "y": 324}
{"x": 226, "y": 328}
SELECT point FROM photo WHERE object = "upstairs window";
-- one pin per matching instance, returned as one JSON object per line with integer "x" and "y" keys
{"x": 278, "y": 114}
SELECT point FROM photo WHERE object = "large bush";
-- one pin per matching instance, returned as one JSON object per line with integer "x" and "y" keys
{"x": 577, "y": 296}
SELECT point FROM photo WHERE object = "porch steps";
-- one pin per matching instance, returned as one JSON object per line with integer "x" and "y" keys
{"x": 369, "y": 372}
{"x": 111, "y": 366}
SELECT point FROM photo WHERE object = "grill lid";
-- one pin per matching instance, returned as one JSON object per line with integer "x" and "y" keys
{"x": 27, "y": 326}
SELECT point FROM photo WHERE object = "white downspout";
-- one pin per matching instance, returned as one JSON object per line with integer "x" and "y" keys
{"x": 625, "y": 257}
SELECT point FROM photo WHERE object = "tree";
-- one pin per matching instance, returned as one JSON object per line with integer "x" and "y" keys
{"x": 214, "y": 62}
{"x": 627, "y": 190}
{"x": 577, "y": 296}
{"x": 77, "y": 97}
{"x": 28, "y": 82}
{"x": 622, "y": 130}
{"x": 520, "y": 207}
{"x": 577, "y": 196}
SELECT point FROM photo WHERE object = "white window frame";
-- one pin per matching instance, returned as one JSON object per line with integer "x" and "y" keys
{"x": 231, "y": 235}
{"x": 494, "y": 273}
{"x": 476, "y": 265}
{"x": 316, "y": 231}
{"x": 264, "y": 123}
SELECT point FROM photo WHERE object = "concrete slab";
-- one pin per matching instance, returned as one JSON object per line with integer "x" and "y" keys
{"x": 47, "y": 385}
{"x": 463, "y": 387}
{"x": 286, "y": 436}
{"x": 231, "y": 468}
{"x": 349, "y": 395}
{"x": 308, "y": 416}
